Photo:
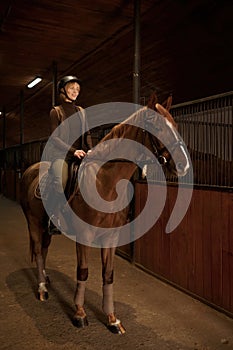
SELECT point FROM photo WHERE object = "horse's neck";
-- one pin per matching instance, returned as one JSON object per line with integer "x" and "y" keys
{"x": 121, "y": 136}
{"x": 113, "y": 146}
{"x": 119, "y": 169}
{"x": 110, "y": 174}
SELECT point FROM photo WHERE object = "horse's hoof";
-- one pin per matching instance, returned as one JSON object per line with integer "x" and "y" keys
{"x": 116, "y": 327}
{"x": 80, "y": 322}
{"x": 43, "y": 296}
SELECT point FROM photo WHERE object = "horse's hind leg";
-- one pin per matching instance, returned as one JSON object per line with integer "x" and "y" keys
{"x": 40, "y": 242}
{"x": 107, "y": 257}
{"x": 44, "y": 251}
{"x": 80, "y": 317}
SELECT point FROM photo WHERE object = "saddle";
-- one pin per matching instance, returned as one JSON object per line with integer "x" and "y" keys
{"x": 46, "y": 182}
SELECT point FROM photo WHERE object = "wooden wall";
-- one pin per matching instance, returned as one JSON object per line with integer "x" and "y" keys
{"x": 198, "y": 255}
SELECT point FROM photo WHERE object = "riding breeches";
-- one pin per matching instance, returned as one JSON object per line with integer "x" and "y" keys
{"x": 59, "y": 170}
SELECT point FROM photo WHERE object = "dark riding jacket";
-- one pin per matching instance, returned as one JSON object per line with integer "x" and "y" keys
{"x": 62, "y": 138}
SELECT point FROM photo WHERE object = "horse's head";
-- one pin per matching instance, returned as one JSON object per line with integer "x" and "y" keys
{"x": 164, "y": 140}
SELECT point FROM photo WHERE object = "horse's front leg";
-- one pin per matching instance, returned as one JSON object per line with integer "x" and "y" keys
{"x": 107, "y": 257}
{"x": 80, "y": 317}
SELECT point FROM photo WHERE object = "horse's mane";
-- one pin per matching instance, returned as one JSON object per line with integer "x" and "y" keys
{"x": 127, "y": 129}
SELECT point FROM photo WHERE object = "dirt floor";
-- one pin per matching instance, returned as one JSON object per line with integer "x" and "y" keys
{"x": 155, "y": 315}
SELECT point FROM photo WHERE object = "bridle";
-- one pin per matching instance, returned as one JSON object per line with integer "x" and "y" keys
{"x": 163, "y": 155}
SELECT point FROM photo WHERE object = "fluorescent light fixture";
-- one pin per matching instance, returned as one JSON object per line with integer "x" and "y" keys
{"x": 34, "y": 82}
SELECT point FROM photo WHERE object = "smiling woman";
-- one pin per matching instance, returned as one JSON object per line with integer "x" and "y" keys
{"x": 68, "y": 89}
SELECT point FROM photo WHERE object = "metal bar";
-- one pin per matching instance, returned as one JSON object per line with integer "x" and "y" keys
{"x": 229, "y": 93}
{"x": 4, "y": 128}
{"x": 209, "y": 125}
{"x": 54, "y": 87}
{"x": 21, "y": 127}
{"x": 136, "y": 72}
{"x": 21, "y": 117}
{"x": 212, "y": 141}
{"x": 4, "y": 138}
{"x": 221, "y": 147}
{"x": 136, "y": 94}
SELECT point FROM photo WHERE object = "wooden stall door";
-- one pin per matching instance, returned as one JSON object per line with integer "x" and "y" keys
{"x": 198, "y": 255}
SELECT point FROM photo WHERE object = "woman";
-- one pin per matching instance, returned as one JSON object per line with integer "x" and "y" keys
{"x": 62, "y": 143}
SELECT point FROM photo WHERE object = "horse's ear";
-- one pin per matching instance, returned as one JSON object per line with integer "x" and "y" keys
{"x": 165, "y": 113}
{"x": 167, "y": 103}
{"x": 162, "y": 110}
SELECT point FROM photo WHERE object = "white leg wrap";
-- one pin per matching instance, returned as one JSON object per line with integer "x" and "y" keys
{"x": 108, "y": 307}
{"x": 42, "y": 287}
{"x": 80, "y": 292}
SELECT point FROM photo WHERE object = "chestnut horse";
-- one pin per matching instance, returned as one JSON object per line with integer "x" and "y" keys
{"x": 106, "y": 177}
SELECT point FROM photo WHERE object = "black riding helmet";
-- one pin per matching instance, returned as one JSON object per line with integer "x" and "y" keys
{"x": 65, "y": 80}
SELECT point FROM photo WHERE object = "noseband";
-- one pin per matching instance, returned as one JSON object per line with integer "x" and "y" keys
{"x": 162, "y": 155}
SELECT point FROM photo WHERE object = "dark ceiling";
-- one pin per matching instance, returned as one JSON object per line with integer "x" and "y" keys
{"x": 186, "y": 48}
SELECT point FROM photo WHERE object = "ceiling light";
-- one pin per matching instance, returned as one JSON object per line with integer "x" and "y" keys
{"x": 34, "y": 82}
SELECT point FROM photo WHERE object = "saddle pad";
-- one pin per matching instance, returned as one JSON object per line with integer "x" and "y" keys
{"x": 46, "y": 181}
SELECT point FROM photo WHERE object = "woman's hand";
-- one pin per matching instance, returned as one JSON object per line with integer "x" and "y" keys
{"x": 79, "y": 153}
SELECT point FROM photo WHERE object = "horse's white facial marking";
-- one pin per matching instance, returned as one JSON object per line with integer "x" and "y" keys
{"x": 169, "y": 124}
{"x": 187, "y": 161}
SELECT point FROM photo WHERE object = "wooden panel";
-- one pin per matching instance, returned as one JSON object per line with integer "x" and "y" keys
{"x": 198, "y": 254}
{"x": 125, "y": 251}
{"x": 227, "y": 285}
{"x": 9, "y": 184}
{"x": 32, "y": 152}
{"x": 181, "y": 252}
{"x": 227, "y": 253}
{"x": 18, "y": 175}
{"x": 196, "y": 285}
{"x": 153, "y": 249}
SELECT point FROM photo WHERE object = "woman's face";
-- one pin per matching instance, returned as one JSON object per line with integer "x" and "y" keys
{"x": 72, "y": 90}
